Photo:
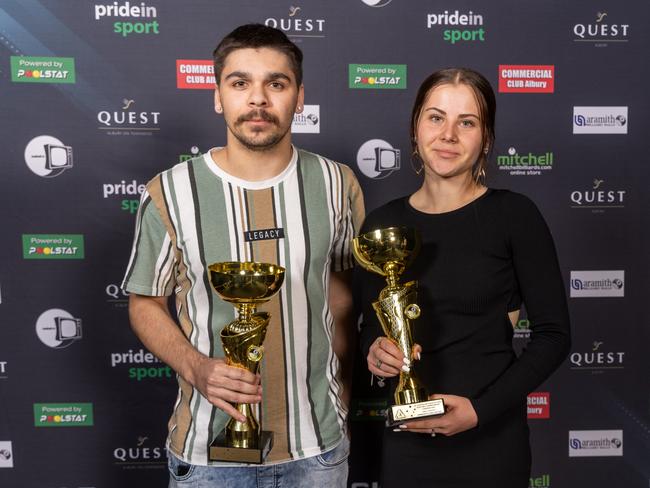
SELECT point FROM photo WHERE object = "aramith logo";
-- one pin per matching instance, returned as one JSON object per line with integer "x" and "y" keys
{"x": 6, "y": 455}
{"x": 30, "y": 69}
{"x": 53, "y": 246}
{"x": 127, "y": 10}
{"x": 538, "y": 405}
{"x": 590, "y": 443}
{"x": 195, "y": 74}
{"x": 598, "y": 198}
{"x": 525, "y": 78}
{"x": 468, "y": 26}
{"x": 148, "y": 365}
{"x": 47, "y": 156}
{"x": 597, "y": 283}
{"x": 525, "y": 164}
{"x": 600, "y": 32}
{"x": 308, "y": 121}
{"x": 371, "y": 76}
{"x": 63, "y": 414}
{"x": 57, "y": 328}
{"x": 296, "y": 26}
{"x": 598, "y": 359}
{"x": 600, "y": 120}
{"x": 377, "y": 159}
{"x": 128, "y": 122}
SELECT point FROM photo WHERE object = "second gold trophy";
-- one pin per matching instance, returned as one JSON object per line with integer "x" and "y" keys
{"x": 388, "y": 252}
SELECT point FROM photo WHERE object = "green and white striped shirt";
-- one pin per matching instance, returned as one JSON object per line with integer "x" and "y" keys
{"x": 195, "y": 214}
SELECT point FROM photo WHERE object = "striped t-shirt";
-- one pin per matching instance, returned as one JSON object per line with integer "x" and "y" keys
{"x": 195, "y": 214}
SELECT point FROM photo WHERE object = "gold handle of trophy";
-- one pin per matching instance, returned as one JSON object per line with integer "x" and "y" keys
{"x": 255, "y": 353}
{"x": 412, "y": 311}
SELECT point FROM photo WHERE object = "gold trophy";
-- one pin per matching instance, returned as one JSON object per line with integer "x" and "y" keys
{"x": 245, "y": 285}
{"x": 388, "y": 252}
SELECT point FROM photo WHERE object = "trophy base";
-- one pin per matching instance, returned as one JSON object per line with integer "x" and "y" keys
{"x": 398, "y": 414}
{"x": 219, "y": 451}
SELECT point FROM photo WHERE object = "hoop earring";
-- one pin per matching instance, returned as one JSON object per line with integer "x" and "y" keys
{"x": 416, "y": 155}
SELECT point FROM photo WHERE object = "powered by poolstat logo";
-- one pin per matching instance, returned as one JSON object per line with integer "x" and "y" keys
{"x": 375, "y": 76}
{"x": 595, "y": 443}
{"x": 128, "y": 10}
{"x": 377, "y": 159}
{"x": 597, "y": 283}
{"x": 57, "y": 328}
{"x": 30, "y": 69}
{"x": 467, "y": 27}
{"x": 600, "y": 120}
{"x": 53, "y": 246}
{"x": 47, "y": 156}
{"x": 63, "y": 414}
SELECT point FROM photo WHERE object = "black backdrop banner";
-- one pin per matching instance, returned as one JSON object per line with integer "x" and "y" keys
{"x": 98, "y": 96}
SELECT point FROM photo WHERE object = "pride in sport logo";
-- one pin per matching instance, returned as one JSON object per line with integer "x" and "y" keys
{"x": 30, "y": 69}
{"x": 129, "y": 10}
{"x": 47, "y": 156}
{"x": 467, "y": 27}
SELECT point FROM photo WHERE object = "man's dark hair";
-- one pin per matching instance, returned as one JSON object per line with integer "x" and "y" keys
{"x": 256, "y": 36}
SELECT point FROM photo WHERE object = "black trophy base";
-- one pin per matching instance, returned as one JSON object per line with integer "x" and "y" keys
{"x": 219, "y": 451}
{"x": 398, "y": 414}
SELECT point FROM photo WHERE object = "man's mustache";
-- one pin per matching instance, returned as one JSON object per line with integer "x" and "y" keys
{"x": 257, "y": 115}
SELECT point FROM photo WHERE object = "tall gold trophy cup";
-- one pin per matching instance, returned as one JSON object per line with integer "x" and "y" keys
{"x": 388, "y": 252}
{"x": 245, "y": 285}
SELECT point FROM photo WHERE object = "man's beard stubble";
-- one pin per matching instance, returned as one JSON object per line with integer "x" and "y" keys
{"x": 265, "y": 144}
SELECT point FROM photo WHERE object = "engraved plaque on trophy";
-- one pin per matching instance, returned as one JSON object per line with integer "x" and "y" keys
{"x": 245, "y": 285}
{"x": 388, "y": 252}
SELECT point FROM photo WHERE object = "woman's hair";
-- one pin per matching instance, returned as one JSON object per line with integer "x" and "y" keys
{"x": 485, "y": 100}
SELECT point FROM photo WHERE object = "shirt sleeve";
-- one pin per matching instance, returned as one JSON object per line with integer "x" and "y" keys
{"x": 353, "y": 213}
{"x": 542, "y": 291}
{"x": 151, "y": 268}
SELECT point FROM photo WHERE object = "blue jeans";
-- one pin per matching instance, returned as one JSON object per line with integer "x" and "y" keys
{"x": 329, "y": 469}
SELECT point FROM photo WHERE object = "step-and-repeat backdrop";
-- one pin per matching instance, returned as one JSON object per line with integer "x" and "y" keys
{"x": 98, "y": 96}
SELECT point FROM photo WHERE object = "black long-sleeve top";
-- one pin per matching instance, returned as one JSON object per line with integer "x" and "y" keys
{"x": 475, "y": 265}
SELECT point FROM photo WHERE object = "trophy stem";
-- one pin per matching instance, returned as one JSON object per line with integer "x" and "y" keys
{"x": 246, "y": 312}
{"x": 243, "y": 434}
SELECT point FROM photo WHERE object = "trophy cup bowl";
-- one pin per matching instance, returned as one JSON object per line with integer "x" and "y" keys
{"x": 246, "y": 285}
{"x": 388, "y": 252}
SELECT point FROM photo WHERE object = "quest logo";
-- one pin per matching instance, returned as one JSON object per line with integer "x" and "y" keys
{"x": 30, "y": 69}
{"x": 600, "y": 31}
{"x": 296, "y": 26}
{"x": 128, "y": 122}
{"x": 526, "y": 78}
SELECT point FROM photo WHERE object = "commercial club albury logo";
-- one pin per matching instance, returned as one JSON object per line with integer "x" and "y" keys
{"x": 47, "y": 156}
{"x": 376, "y": 76}
{"x": 127, "y": 10}
{"x": 195, "y": 74}
{"x": 63, "y": 414}
{"x": 595, "y": 443}
{"x": 57, "y": 328}
{"x": 525, "y": 164}
{"x": 31, "y": 69}
{"x": 467, "y": 27}
{"x": 538, "y": 405}
{"x": 526, "y": 78}
{"x": 53, "y": 246}
{"x": 377, "y": 159}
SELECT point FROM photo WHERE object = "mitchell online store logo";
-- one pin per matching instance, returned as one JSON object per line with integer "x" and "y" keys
{"x": 31, "y": 69}
{"x": 538, "y": 405}
{"x": 522, "y": 329}
{"x": 595, "y": 443}
{"x": 308, "y": 121}
{"x": 297, "y": 26}
{"x": 598, "y": 198}
{"x": 63, "y": 414}
{"x": 467, "y": 27}
{"x": 194, "y": 152}
{"x": 588, "y": 284}
{"x": 6, "y": 455}
{"x": 600, "y": 120}
{"x": 127, "y": 10}
{"x": 57, "y": 328}
{"x": 377, "y": 159}
{"x": 141, "y": 365}
{"x": 600, "y": 31}
{"x": 47, "y": 156}
{"x": 128, "y": 121}
{"x": 53, "y": 246}
{"x": 597, "y": 359}
{"x": 543, "y": 481}
{"x": 195, "y": 74}
{"x": 526, "y": 78}
{"x": 525, "y": 164}
{"x": 375, "y": 76}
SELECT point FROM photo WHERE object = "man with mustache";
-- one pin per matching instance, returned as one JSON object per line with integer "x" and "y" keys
{"x": 258, "y": 198}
